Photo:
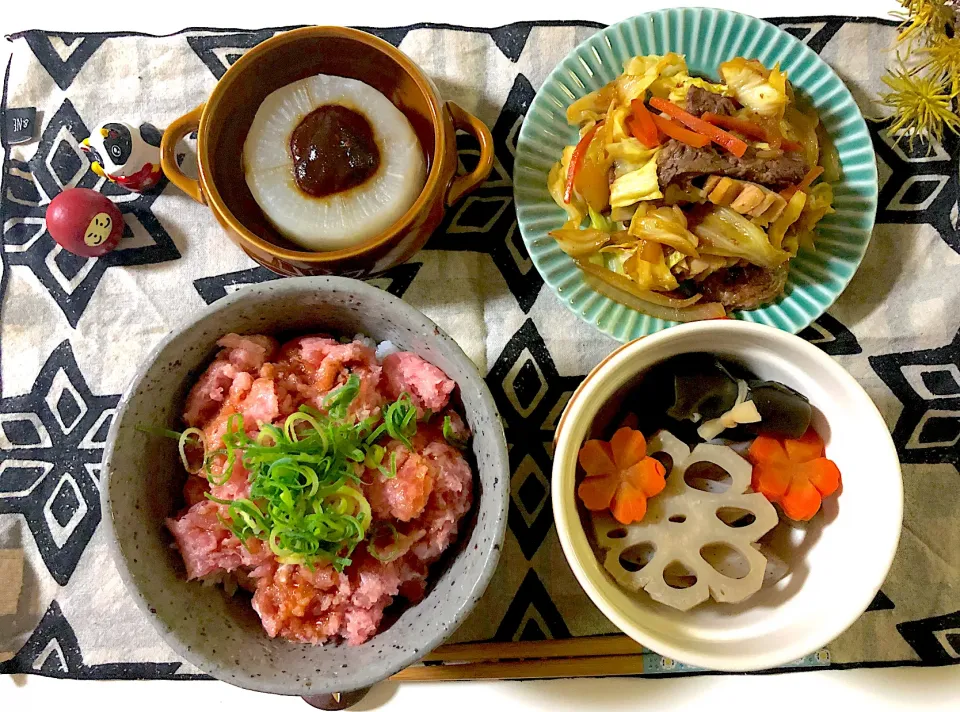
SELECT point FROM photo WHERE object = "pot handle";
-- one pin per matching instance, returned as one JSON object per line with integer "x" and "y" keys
{"x": 168, "y": 153}
{"x": 465, "y": 121}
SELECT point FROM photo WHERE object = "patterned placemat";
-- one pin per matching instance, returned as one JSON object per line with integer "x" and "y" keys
{"x": 74, "y": 330}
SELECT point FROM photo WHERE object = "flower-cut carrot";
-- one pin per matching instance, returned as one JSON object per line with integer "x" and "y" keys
{"x": 730, "y": 142}
{"x": 675, "y": 130}
{"x": 804, "y": 184}
{"x": 793, "y": 473}
{"x": 750, "y": 130}
{"x": 576, "y": 161}
{"x": 642, "y": 126}
{"x": 620, "y": 476}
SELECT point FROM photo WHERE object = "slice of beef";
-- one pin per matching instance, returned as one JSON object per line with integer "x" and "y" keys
{"x": 701, "y": 101}
{"x": 677, "y": 162}
{"x": 746, "y": 287}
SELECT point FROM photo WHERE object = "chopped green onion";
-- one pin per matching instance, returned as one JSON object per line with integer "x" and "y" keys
{"x": 159, "y": 432}
{"x": 399, "y": 422}
{"x": 392, "y": 472}
{"x": 305, "y": 500}
{"x": 450, "y": 436}
{"x": 339, "y": 400}
{"x": 182, "y": 445}
{"x": 391, "y": 552}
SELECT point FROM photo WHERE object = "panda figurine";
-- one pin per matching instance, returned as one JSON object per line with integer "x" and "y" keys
{"x": 125, "y": 155}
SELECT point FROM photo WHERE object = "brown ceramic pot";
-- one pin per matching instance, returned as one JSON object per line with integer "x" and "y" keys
{"x": 223, "y": 121}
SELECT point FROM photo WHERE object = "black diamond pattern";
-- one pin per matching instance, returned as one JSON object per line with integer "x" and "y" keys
{"x": 65, "y": 504}
{"x": 77, "y": 48}
{"x": 528, "y": 409}
{"x": 881, "y": 603}
{"x": 923, "y": 637}
{"x": 928, "y": 429}
{"x": 923, "y": 182}
{"x": 486, "y": 222}
{"x": 814, "y": 34}
{"x": 53, "y": 650}
{"x": 59, "y": 164}
{"x": 532, "y": 614}
{"x": 219, "y": 51}
{"x": 531, "y": 493}
{"x": 511, "y": 39}
{"x": 45, "y": 476}
{"x": 831, "y": 336}
{"x": 941, "y": 383}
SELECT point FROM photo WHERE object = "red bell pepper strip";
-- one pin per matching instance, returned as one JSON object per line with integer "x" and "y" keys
{"x": 576, "y": 161}
{"x": 642, "y": 126}
{"x": 728, "y": 141}
{"x": 749, "y": 129}
{"x": 675, "y": 130}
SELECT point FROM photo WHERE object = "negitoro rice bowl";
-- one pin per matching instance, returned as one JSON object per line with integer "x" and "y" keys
{"x": 325, "y": 478}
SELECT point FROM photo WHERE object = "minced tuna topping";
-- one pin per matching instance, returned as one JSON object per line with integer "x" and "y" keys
{"x": 416, "y": 498}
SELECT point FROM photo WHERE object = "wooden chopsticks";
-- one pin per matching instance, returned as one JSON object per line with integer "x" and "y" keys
{"x": 593, "y": 656}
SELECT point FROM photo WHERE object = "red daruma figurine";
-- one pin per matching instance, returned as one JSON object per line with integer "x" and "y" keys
{"x": 84, "y": 222}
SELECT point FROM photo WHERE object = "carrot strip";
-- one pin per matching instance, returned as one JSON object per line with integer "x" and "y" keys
{"x": 749, "y": 129}
{"x": 642, "y": 126}
{"x": 804, "y": 184}
{"x": 675, "y": 130}
{"x": 728, "y": 141}
{"x": 788, "y": 145}
{"x": 576, "y": 161}
{"x": 811, "y": 176}
{"x": 733, "y": 123}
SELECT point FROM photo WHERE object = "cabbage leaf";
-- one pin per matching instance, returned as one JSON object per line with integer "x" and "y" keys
{"x": 678, "y": 93}
{"x": 726, "y": 233}
{"x": 757, "y": 88}
{"x": 591, "y": 107}
{"x": 778, "y": 230}
{"x": 556, "y": 182}
{"x": 638, "y": 184}
{"x": 668, "y": 226}
{"x": 625, "y": 260}
{"x": 658, "y": 74}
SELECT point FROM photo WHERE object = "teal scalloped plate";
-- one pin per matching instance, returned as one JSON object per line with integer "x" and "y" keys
{"x": 707, "y": 37}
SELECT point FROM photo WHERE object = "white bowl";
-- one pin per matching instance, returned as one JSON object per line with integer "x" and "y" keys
{"x": 837, "y": 561}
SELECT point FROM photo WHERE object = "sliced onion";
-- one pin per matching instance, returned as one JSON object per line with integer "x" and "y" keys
{"x": 711, "y": 310}
{"x": 583, "y": 248}
{"x": 625, "y": 284}
{"x": 577, "y": 235}
{"x": 622, "y": 237}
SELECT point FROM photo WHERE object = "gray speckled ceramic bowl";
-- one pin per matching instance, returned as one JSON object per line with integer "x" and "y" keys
{"x": 142, "y": 479}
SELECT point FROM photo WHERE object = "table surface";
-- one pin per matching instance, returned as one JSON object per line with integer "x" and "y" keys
{"x": 879, "y": 690}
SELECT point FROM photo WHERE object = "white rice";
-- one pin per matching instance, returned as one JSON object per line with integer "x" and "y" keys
{"x": 384, "y": 349}
{"x": 365, "y": 340}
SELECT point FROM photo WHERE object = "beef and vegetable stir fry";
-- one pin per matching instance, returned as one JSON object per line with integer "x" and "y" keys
{"x": 686, "y": 198}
